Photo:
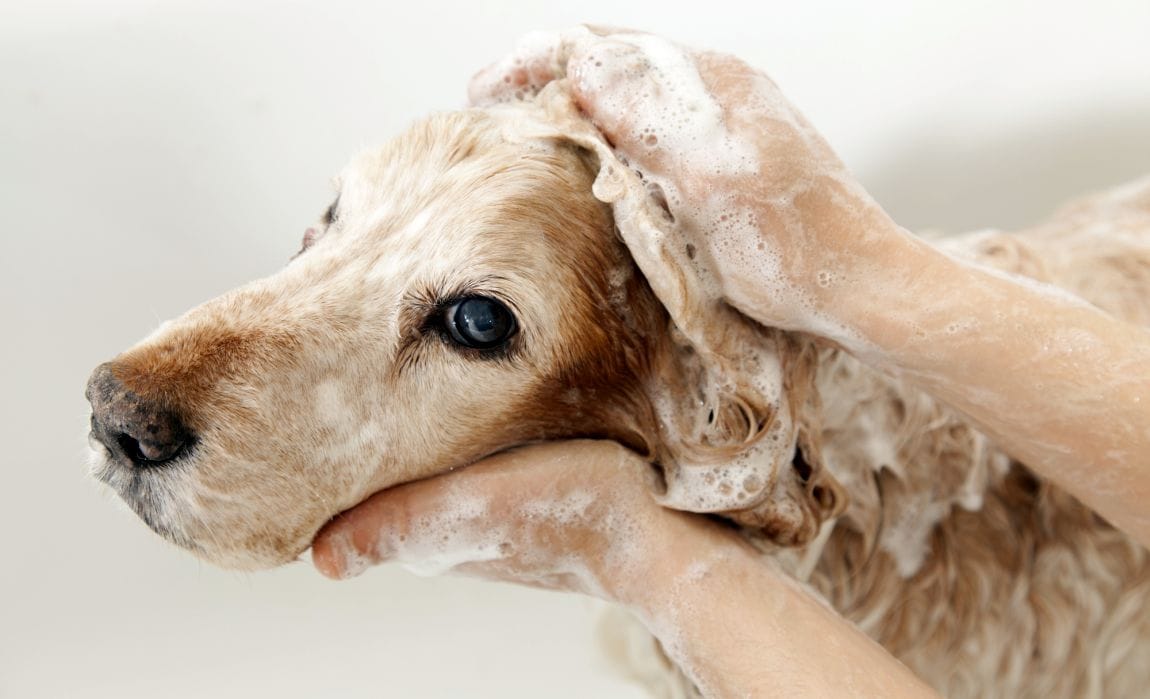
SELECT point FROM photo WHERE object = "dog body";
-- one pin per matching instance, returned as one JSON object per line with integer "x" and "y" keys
{"x": 981, "y": 577}
{"x": 241, "y": 428}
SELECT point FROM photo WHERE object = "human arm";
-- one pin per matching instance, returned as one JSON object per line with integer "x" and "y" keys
{"x": 579, "y": 516}
{"x": 1059, "y": 385}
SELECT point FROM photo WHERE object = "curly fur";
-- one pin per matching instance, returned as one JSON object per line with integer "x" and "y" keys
{"x": 981, "y": 577}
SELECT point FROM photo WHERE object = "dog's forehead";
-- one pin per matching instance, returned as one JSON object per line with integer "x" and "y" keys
{"x": 454, "y": 194}
{"x": 441, "y": 160}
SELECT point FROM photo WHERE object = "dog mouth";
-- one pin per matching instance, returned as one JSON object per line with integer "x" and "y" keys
{"x": 146, "y": 492}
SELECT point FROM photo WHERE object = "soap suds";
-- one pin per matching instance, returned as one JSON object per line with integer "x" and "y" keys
{"x": 439, "y": 542}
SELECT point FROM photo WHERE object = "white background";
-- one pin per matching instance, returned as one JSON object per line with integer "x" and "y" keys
{"x": 154, "y": 154}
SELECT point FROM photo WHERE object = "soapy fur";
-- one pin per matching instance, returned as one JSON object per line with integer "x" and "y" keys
{"x": 317, "y": 386}
{"x": 921, "y": 481}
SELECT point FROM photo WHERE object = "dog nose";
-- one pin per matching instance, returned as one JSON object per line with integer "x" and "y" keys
{"x": 135, "y": 430}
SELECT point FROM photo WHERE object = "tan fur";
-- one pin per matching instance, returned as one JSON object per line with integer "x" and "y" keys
{"x": 317, "y": 386}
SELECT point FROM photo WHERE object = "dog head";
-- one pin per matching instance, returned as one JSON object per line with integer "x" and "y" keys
{"x": 464, "y": 293}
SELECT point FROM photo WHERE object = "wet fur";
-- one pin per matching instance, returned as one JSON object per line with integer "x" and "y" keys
{"x": 984, "y": 579}
{"x": 313, "y": 388}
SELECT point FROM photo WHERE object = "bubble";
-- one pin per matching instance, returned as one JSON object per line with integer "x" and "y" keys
{"x": 753, "y": 484}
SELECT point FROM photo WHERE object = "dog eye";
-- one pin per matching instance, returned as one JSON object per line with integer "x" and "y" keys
{"x": 479, "y": 322}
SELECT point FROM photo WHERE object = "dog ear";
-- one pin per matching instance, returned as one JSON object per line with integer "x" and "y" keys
{"x": 736, "y": 415}
{"x": 740, "y": 437}
{"x": 805, "y": 493}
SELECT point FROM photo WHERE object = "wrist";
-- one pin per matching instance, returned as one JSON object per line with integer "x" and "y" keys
{"x": 890, "y": 290}
{"x": 686, "y": 546}
{"x": 826, "y": 254}
{"x": 701, "y": 598}
{"x": 724, "y": 614}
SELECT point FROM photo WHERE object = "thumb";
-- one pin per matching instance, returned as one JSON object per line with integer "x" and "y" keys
{"x": 645, "y": 95}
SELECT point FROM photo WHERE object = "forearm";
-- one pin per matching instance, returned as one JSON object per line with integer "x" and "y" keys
{"x": 1057, "y": 383}
{"x": 740, "y": 629}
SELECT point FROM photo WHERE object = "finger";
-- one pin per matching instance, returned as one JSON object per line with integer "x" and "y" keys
{"x": 333, "y": 554}
{"x": 615, "y": 83}
{"x": 380, "y": 527}
{"x": 348, "y": 544}
{"x": 648, "y": 96}
{"x": 538, "y": 58}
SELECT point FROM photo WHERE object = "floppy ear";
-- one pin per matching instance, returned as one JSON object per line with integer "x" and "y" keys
{"x": 739, "y": 430}
{"x": 734, "y": 402}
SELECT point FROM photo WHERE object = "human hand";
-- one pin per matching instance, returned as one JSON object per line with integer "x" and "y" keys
{"x": 777, "y": 224}
{"x": 579, "y": 516}
{"x": 575, "y": 516}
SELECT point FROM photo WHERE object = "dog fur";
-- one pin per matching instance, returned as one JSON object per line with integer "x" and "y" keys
{"x": 330, "y": 380}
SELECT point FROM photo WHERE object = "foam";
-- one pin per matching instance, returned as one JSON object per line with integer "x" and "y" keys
{"x": 440, "y": 541}
{"x": 571, "y": 508}
{"x": 427, "y": 563}
{"x": 674, "y": 111}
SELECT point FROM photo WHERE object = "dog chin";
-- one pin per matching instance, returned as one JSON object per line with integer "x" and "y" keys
{"x": 143, "y": 497}
{"x": 155, "y": 503}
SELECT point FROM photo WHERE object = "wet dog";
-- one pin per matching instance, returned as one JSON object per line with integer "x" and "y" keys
{"x": 466, "y": 293}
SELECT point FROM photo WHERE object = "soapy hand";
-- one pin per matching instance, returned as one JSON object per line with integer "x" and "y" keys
{"x": 777, "y": 223}
{"x": 578, "y": 516}
{"x": 575, "y": 516}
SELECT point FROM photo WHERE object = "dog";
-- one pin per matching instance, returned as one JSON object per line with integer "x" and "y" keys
{"x": 466, "y": 292}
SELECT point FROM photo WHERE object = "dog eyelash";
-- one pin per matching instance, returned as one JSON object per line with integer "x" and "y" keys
{"x": 437, "y": 322}
{"x": 332, "y": 214}
{"x": 428, "y": 308}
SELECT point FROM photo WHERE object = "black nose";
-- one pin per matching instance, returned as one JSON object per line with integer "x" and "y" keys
{"x": 136, "y": 431}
